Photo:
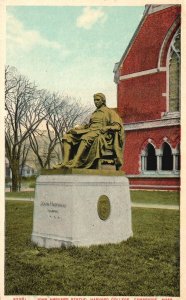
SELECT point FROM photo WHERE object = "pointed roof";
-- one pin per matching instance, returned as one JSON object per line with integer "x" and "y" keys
{"x": 149, "y": 9}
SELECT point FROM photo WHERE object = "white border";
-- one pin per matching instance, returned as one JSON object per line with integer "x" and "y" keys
{"x": 3, "y": 4}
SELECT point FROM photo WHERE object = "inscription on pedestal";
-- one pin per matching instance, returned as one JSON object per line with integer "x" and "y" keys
{"x": 53, "y": 209}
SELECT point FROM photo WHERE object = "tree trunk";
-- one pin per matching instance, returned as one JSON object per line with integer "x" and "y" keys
{"x": 15, "y": 175}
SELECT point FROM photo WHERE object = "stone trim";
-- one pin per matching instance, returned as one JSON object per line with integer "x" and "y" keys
{"x": 169, "y": 33}
{"x": 143, "y": 186}
{"x": 156, "y": 8}
{"x": 143, "y": 73}
{"x": 152, "y": 124}
{"x": 171, "y": 115}
{"x": 156, "y": 175}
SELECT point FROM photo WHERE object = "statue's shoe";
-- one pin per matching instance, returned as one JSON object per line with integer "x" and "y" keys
{"x": 59, "y": 166}
{"x": 72, "y": 165}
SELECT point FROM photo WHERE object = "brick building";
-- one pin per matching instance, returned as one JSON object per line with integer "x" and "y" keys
{"x": 148, "y": 95}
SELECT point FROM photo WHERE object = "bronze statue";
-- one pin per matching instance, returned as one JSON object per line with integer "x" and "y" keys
{"x": 84, "y": 145}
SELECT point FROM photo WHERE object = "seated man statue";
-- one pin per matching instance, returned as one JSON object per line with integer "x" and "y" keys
{"x": 85, "y": 144}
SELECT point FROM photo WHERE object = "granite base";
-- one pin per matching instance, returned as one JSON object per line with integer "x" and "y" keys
{"x": 67, "y": 210}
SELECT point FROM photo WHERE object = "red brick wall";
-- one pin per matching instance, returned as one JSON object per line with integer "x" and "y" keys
{"x": 140, "y": 98}
{"x": 145, "y": 49}
{"x": 135, "y": 141}
{"x": 152, "y": 183}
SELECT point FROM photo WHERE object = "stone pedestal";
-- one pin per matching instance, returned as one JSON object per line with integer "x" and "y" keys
{"x": 81, "y": 210}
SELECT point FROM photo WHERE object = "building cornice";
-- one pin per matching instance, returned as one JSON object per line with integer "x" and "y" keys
{"x": 143, "y": 73}
{"x": 156, "y": 8}
{"x": 155, "y": 175}
{"x": 152, "y": 124}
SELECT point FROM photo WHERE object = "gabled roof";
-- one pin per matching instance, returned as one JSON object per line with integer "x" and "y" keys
{"x": 118, "y": 64}
{"x": 149, "y": 9}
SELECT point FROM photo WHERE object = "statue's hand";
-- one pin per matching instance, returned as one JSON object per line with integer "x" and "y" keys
{"x": 86, "y": 126}
{"x": 111, "y": 128}
{"x": 72, "y": 131}
{"x": 79, "y": 127}
{"x": 104, "y": 129}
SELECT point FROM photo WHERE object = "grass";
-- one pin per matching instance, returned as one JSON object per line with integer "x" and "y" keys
{"x": 156, "y": 197}
{"x": 146, "y": 264}
{"x": 24, "y": 194}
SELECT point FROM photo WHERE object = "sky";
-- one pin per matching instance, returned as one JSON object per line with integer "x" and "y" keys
{"x": 70, "y": 49}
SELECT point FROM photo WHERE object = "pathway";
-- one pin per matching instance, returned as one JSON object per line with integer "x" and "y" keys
{"x": 159, "y": 206}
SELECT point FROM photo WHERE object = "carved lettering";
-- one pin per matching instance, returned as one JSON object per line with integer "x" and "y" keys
{"x": 53, "y": 204}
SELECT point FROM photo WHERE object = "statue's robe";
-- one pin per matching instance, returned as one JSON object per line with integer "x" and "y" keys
{"x": 96, "y": 141}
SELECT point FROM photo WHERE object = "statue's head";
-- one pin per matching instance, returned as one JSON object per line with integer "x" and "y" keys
{"x": 101, "y": 97}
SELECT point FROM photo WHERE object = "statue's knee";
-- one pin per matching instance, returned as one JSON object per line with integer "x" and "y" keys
{"x": 67, "y": 138}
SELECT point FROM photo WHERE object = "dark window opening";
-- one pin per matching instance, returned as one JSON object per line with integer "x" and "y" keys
{"x": 151, "y": 158}
{"x": 178, "y": 158}
{"x": 178, "y": 161}
{"x": 167, "y": 158}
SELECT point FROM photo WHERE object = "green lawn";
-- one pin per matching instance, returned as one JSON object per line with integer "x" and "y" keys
{"x": 147, "y": 264}
{"x": 26, "y": 194}
{"x": 154, "y": 197}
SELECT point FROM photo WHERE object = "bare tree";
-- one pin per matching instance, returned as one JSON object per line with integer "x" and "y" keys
{"x": 23, "y": 157}
{"x": 25, "y": 110}
{"x": 64, "y": 113}
{"x": 66, "y": 116}
{"x": 28, "y": 110}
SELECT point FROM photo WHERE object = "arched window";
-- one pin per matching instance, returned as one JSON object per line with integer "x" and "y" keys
{"x": 167, "y": 157}
{"x": 151, "y": 161}
{"x": 174, "y": 73}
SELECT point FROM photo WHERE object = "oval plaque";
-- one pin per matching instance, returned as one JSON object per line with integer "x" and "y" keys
{"x": 103, "y": 207}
